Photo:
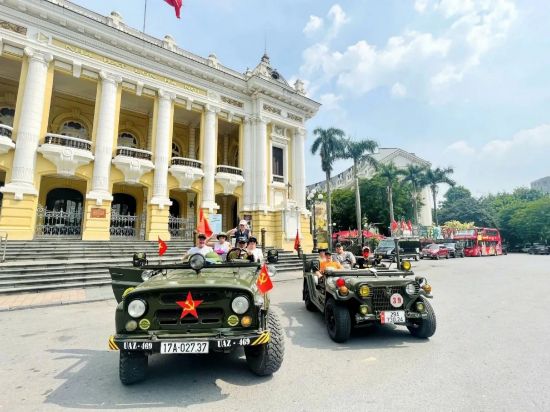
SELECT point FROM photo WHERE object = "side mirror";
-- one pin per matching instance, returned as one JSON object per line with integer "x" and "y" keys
{"x": 272, "y": 256}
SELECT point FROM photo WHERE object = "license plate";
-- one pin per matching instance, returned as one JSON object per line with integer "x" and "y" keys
{"x": 184, "y": 347}
{"x": 392, "y": 316}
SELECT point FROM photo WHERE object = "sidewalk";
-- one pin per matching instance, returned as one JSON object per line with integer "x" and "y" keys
{"x": 84, "y": 295}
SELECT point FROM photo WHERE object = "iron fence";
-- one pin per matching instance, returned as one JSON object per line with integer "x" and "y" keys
{"x": 181, "y": 228}
{"x": 127, "y": 226}
{"x": 58, "y": 223}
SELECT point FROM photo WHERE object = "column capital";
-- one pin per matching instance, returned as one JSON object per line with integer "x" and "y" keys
{"x": 110, "y": 78}
{"x": 300, "y": 131}
{"x": 211, "y": 108}
{"x": 164, "y": 95}
{"x": 38, "y": 56}
{"x": 260, "y": 119}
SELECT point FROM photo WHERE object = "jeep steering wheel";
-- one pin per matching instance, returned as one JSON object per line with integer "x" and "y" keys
{"x": 236, "y": 254}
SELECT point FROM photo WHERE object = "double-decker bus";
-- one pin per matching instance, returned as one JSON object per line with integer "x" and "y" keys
{"x": 480, "y": 241}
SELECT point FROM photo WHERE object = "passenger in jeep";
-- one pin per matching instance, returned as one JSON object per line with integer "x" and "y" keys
{"x": 326, "y": 262}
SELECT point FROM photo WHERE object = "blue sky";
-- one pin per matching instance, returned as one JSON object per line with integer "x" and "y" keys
{"x": 461, "y": 83}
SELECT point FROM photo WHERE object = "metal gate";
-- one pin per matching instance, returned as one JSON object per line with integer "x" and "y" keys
{"x": 58, "y": 223}
{"x": 181, "y": 228}
{"x": 127, "y": 226}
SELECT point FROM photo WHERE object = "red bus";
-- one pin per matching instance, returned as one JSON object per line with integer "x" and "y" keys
{"x": 480, "y": 241}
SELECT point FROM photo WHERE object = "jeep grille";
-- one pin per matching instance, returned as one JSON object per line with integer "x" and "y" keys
{"x": 381, "y": 297}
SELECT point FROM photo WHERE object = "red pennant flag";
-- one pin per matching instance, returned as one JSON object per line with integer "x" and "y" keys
{"x": 204, "y": 226}
{"x": 176, "y": 4}
{"x": 264, "y": 281}
{"x": 394, "y": 225}
{"x": 403, "y": 224}
{"x": 409, "y": 225}
{"x": 162, "y": 246}
{"x": 297, "y": 241}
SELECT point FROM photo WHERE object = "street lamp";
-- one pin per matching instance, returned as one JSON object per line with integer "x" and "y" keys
{"x": 313, "y": 197}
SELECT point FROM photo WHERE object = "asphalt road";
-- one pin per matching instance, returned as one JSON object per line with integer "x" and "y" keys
{"x": 491, "y": 351}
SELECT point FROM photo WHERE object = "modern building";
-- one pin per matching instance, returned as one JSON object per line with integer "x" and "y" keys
{"x": 108, "y": 132}
{"x": 542, "y": 184}
{"x": 401, "y": 159}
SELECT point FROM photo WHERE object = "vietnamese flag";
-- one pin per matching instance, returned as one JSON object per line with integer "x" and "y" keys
{"x": 162, "y": 246}
{"x": 264, "y": 281}
{"x": 204, "y": 226}
{"x": 176, "y": 4}
{"x": 394, "y": 225}
{"x": 297, "y": 241}
{"x": 409, "y": 225}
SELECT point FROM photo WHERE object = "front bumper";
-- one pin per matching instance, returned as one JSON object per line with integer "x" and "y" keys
{"x": 152, "y": 343}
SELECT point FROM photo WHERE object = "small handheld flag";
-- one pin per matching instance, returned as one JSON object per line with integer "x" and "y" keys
{"x": 264, "y": 281}
{"x": 162, "y": 246}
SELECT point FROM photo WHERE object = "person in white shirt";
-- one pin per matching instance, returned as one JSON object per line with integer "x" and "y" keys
{"x": 221, "y": 247}
{"x": 253, "y": 252}
{"x": 201, "y": 247}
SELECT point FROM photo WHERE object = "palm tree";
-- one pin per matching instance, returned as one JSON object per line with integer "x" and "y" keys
{"x": 359, "y": 151}
{"x": 390, "y": 173}
{"x": 329, "y": 143}
{"x": 435, "y": 177}
{"x": 415, "y": 175}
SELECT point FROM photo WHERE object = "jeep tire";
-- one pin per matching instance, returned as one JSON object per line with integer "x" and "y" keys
{"x": 266, "y": 359}
{"x": 338, "y": 321}
{"x": 132, "y": 367}
{"x": 424, "y": 328}
{"x": 310, "y": 306}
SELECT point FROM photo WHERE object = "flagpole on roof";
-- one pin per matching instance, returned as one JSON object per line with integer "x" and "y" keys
{"x": 144, "y": 15}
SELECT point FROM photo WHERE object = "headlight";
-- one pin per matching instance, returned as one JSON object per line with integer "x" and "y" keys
{"x": 137, "y": 308}
{"x": 364, "y": 291}
{"x": 406, "y": 265}
{"x": 146, "y": 275}
{"x": 197, "y": 261}
{"x": 410, "y": 289}
{"x": 240, "y": 305}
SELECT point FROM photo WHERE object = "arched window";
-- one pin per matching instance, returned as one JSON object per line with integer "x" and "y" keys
{"x": 74, "y": 129}
{"x": 127, "y": 139}
{"x": 64, "y": 200}
{"x": 6, "y": 116}
{"x": 123, "y": 204}
{"x": 175, "y": 208}
{"x": 176, "y": 151}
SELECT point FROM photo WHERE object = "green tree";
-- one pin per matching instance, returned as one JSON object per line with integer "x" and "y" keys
{"x": 460, "y": 205}
{"x": 390, "y": 174}
{"x": 533, "y": 220}
{"x": 433, "y": 178}
{"x": 359, "y": 151}
{"x": 416, "y": 176}
{"x": 329, "y": 143}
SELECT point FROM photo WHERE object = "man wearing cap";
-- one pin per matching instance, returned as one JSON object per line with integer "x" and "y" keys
{"x": 346, "y": 259}
{"x": 241, "y": 231}
{"x": 201, "y": 247}
{"x": 253, "y": 252}
{"x": 326, "y": 262}
{"x": 221, "y": 247}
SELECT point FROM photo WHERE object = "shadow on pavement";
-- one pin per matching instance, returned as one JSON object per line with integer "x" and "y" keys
{"x": 173, "y": 380}
{"x": 308, "y": 330}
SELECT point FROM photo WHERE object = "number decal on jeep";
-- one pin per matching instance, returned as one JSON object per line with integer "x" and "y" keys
{"x": 396, "y": 300}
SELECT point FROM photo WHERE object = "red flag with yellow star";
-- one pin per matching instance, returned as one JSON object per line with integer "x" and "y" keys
{"x": 264, "y": 280}
{"x": 163, "y": 247}
{"x": 189, "y": 306}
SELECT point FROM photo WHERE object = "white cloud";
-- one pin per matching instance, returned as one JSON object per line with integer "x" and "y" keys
{"x": 330, "y": 101}
{"x": 398, "y": 90}
{"x": 460, "y": 147}
{"x": 425, "y": 64}
{"x": 313, "y": 25}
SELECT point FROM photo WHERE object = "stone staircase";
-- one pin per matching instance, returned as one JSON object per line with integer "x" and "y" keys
{"x": 42, "y": 265}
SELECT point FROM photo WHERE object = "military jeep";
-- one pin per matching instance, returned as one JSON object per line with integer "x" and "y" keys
{"x": 363, "y": 297}
{"x": 196, "y": 307}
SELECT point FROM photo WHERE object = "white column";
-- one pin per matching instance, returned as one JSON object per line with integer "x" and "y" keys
{"x": 162, "y": 149}
{"x": 248, "y": 164}
{"x": 209, "y": 158}
{"x": 104, "y": 139}
{"x": 261, "y": 161}
{"x": 191, "y": 153}
{"x": 30, "y": 124}
{"x": 299, "y": 168}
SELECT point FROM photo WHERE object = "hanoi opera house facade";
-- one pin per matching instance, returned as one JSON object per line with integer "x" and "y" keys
{"x": 106, "y": 132}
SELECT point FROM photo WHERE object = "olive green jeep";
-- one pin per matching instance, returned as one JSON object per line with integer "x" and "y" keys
{"x": 196, "y": 307}
{"x": 363, "y": 297}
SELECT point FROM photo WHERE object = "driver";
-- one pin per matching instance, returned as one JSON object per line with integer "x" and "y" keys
{"x": 201, "y": 247}
{"x": 325, "y": 258}
{"x": 346, "y": 259}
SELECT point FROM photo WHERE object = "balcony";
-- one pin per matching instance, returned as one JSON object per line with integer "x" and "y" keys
{"x": 67, "y": 153}
{"x": 229, "y": 177}
{"x": 133, "y": 163}
{"x": 186, "y": 171}
{"x": 6, "y": 144}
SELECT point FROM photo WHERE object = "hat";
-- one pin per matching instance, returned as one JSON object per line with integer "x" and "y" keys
{"x": 241, "y": 240}
{"x": 243, "y": 222}
{"x": 322, "y": 250}
{"x": 338, "y": 244}
{"x": 252, "y": 239}
{"x": 366, "y": 248}
{"x": 221, "y": 235}
{"x": 202, "y": 236}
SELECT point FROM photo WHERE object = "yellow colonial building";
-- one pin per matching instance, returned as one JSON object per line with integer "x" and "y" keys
{"x": 106, "y": 132}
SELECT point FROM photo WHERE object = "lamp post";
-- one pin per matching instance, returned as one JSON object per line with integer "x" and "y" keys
{"x": 313, "y": 197}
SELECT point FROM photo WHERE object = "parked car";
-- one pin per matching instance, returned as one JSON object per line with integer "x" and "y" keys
{"x": 526, "y": 248}
{"x": 455, "y": 249}
{"x": 435, "y": 251}
{"x": 539, "y": 249}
